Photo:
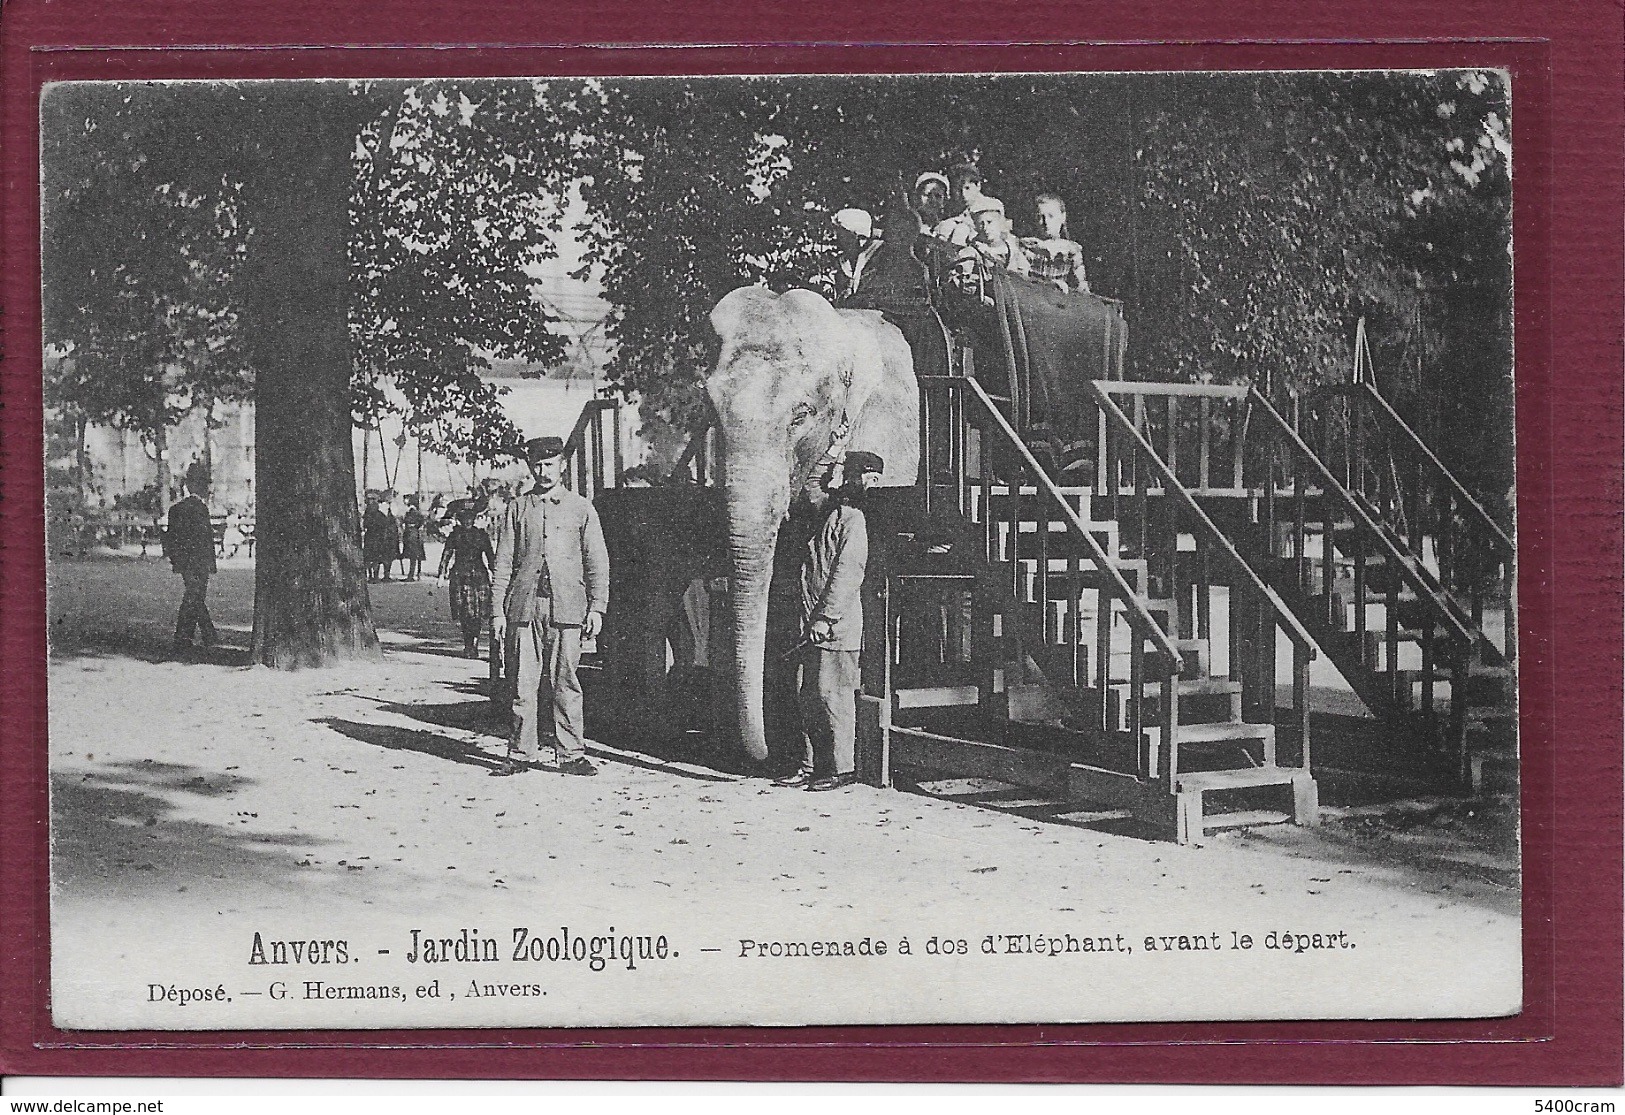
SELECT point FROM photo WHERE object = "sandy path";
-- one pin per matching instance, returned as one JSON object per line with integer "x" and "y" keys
{"x": 198, "y": 804}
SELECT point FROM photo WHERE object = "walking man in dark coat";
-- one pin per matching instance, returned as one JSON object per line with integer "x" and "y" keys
{"x": 550, "y": 585}
{"x": 189, "y": 542}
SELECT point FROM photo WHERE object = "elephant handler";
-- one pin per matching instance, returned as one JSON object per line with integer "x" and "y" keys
{"x": 832, "y": 611}
{"x": 551, "y": 582}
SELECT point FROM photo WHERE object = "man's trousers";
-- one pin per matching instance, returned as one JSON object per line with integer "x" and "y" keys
{"x": 826, "y": 692}
{"x": 194, "y": 614}
{"x": 542, "y": 665}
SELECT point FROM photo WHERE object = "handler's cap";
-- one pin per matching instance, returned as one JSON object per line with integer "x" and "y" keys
{"x": 860, "y": 461}
{"x": 856, "y": 221}
{"x": 931, "y": 176}
{"x": 985, "y": 204}
{"x": 544, "y": 448}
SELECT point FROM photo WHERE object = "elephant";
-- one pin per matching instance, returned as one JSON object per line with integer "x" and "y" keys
{"x": 795, "y": 381}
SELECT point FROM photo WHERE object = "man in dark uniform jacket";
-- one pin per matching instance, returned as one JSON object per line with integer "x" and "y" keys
{"x": 189, "y": 542}
{"x": 828, "y": 677}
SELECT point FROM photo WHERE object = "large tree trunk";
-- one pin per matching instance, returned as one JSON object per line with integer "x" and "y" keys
{"x": 310, "y": 589}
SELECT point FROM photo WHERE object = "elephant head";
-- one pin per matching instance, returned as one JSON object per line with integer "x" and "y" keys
{"x": 795, "y": 378}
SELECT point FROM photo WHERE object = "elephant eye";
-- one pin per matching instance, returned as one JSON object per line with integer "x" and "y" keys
{"x": 801, "y": 413}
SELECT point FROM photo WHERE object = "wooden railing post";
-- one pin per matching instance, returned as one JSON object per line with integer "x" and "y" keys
{"x": 1205, "y": 444}
{"x": 1300, "y": 701}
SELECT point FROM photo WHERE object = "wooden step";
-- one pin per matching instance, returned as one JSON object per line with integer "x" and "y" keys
{"x": 1244, "y": 818}
{"x": 1071, "y": 491}
{"x": 936, "y": 696}
{"x": 1242, "y": 778}
{"x": 1191, "y": 821}
{"x": 1197, "y": 734}
{"x": 1195, "y": 687}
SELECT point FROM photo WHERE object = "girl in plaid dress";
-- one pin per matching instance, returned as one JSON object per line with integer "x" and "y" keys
{"x": 469, "y": 557}
{"x": 1055, "y": 257}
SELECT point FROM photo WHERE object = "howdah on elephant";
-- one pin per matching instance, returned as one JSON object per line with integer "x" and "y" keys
{"x": 797, "y": 382}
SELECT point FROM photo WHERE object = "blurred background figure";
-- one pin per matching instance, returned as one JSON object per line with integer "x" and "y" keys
{"x": 468, "y": 556}
{"x": 189, "y": 544}
{"x": 413, "y": 528}
{"x": 375, "y": 548}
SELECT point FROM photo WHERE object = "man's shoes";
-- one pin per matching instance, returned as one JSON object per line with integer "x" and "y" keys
{"x": 580, "y": 764}
{"x": 834, "y": 782}
{"x": 799, "y": 780}
{"x": 508, "y": 769}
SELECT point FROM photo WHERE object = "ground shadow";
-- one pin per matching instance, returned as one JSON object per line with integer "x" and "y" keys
{"x": 1465, "y": 850}
{"x": 1017, "y": 801}
{"x": 478, "y": 717}
{"x": 393, "y": 738}
{"x": 420, "y": 641}
{"x": 144, "y": 646}
{"x": 116, "y": 833}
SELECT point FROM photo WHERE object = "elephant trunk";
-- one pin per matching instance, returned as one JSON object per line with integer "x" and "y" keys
{"x": 755, "y": 507}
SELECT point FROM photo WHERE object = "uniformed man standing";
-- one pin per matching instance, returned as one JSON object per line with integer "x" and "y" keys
{"x": 832, "y": 616}
{"x": 551, "y": 587}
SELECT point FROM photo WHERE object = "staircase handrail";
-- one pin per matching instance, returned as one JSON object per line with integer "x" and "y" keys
{"x": 698, "y": 431}
{"x": 1357, "y": 513}
{"x": 1103, "y": 390}
{"x": 1140, "y": 620}
{"x": 576, "y": 445}
{"x": 1498, "y": 538}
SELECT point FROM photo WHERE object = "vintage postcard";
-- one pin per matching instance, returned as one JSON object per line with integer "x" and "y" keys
{"x": 780, "y": 551}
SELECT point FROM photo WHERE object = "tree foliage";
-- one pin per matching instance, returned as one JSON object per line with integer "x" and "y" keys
{"x": 1247, "y": 220}
{"x": 139, "y": 298}
{"x": 457, "y": 195}
{"x": 147, "y": 230}
{"x": 1277, "y": 209}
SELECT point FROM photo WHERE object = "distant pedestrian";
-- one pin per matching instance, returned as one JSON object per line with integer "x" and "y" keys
{"x": 413, "y": 527}
{"x": 189, "y": 544}
{"x": 377, "y": 549}
{"x": 491, "y": 499}
{"x": 469, "y": 557}
{"x": 434, "y": 520}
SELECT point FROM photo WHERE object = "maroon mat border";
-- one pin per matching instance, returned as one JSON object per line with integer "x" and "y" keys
{"x": 1565, "y": 61}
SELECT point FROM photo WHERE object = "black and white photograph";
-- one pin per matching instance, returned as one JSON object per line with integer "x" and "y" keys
{"x": 781, "y": 550}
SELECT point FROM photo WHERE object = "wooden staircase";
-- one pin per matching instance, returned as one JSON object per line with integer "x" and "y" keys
{"x": 1053, "y": 638}
{"x": 1392, "y": 589}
